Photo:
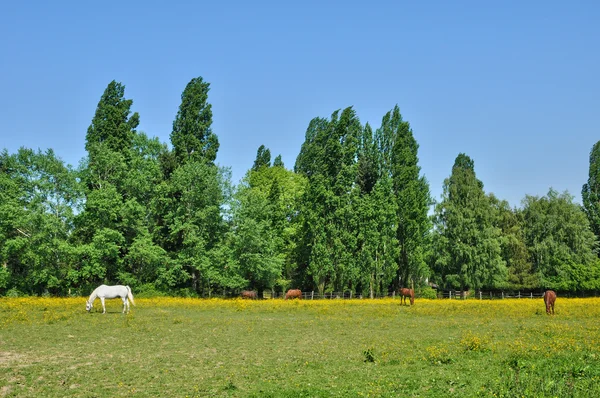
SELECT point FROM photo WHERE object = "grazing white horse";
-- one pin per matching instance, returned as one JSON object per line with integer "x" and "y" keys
{"x": 110, "y": 292}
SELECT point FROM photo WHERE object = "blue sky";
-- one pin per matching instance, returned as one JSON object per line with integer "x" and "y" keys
{"x": 512, "y": 84}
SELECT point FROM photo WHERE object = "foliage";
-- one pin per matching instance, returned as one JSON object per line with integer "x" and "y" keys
{"x": 192, "y": 136}
{"x": 468, "y": 243}
{"x": 328, "y": 160}
{"x": 112, "y": 128}
{"x": 561, "y": 244}
{"x": 264, "y": 224}
{"x": 351, "y": 217}
{"x": 263, "y": 158}
{"x": 590, "y": 192}
{"x": 398, "y": 149}
{"x": 38, "y": 199}
{"x": 426, "y": 293}
{"x": 514, "y": 248}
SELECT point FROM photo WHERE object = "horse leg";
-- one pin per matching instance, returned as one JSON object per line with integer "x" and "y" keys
{"x": 124, "y": 304}
{"x": 103, "y": 307}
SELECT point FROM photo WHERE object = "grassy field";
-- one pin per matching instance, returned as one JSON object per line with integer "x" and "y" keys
{"x": 169, "y": 347}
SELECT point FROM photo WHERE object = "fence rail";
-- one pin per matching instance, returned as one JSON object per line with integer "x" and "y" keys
{"x": 447, "y": 294}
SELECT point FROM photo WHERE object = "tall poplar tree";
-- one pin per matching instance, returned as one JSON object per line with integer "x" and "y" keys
{"x": 192, "y": 135}
{"x": 194, "y": 195}
{"x": 469, "y": 249}
{"x": 263, "y": 158}
{"x": 377, "y": 244}
{"x": 590, "y": 193}
{"x": 102, "y": 226}
{"x": 328, "y": 160}
{"x": 112, "y": 127}
{"x": 411, "y": 191}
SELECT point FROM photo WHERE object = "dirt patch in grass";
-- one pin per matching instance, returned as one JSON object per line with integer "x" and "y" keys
{"x": 7, "y": 358}
{"x": 4, "y": 391}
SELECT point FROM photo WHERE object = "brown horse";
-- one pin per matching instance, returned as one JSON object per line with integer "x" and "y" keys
{"x": 293, "y": 293}
{"x": 549, "y": 299}
{"x": 249, "y": 294}
{"x": 404, "y": 293}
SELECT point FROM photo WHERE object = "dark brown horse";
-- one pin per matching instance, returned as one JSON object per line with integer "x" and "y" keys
{"x": 249, "y": 294}
{"x": 293, "y": 293}
{"x": 549, "y": 299}
{"x": 404, "y": 293}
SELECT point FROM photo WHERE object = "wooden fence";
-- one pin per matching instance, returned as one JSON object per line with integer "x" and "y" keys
{"x": 448, "y": 294}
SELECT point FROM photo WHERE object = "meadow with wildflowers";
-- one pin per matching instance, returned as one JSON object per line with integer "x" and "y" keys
{"x": 181, "y": 347}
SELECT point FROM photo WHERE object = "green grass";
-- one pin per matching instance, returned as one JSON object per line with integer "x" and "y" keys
{"x": 275, "y": 348}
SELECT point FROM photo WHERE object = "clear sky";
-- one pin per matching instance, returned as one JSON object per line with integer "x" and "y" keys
{"x": 513, "y": 84}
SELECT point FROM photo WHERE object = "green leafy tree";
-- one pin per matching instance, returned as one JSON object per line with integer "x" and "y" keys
{"x": 468, "y": 243}
{"x": 368, "y": 172}
{"x": 195, "y": 223}
{"x": 328, "y": 160}
{"x": 38, "y": 198}
{"x": 112, "y": 127}
{"x": 120, "y": 172}
{"x": 190, "y": 203}
{"x": 377, "y": 243}
{"x": 192, "y": 135}
{"x": 590, "y": 193}
{"x": 521, "y": 274}
{"x": 560, "y": 242}
{"x": 264, "y": 221}
{"x": 278, "y": 162}
{"x": 263, "y": 158}
{"x": 411, "y": 191}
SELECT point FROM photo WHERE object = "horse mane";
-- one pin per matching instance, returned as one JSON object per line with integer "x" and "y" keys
{"x": 93, "y": 295}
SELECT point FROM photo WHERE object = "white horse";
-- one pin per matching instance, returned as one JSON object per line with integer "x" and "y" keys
{"x": 110, "y": 292}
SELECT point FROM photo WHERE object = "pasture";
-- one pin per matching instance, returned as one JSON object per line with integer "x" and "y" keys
{"x": 275, "y": 348}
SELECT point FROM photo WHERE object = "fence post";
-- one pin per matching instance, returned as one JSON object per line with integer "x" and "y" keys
{"x": 490, "y": 295}
{"x": 450, "y": 295}
{"x": 502, "y": 295}
{"x": 531, "y": 294}
{"x": 519, "y": 294}
{"x": 394, "y": 294}
{"x": 312, "y": 295}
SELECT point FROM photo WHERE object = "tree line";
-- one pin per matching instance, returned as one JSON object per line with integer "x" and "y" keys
{"x": 354, "y": 214}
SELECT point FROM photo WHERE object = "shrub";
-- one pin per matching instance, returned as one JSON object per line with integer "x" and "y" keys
{"x": 14, "y": 292}
{"x": 148, "y": 290}
{"x": 427, "y": 293}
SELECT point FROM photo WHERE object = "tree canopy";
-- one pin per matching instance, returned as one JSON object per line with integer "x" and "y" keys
{"x": 354, "y": 215}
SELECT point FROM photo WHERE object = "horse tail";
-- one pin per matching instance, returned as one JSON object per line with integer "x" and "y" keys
{"x": 129, "y": 295}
